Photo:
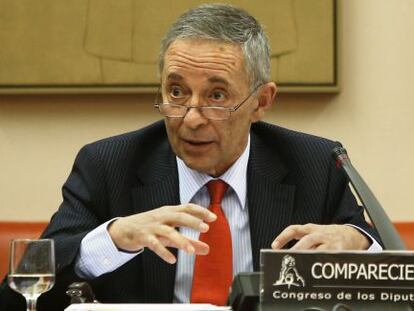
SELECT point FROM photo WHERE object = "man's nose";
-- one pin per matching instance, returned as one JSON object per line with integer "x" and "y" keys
{"x": 194, "y": 118}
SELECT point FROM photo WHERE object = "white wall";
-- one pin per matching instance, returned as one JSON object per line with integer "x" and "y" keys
{"x": 373, "y": 117}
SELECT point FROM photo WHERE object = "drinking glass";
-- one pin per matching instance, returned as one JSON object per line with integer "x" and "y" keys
{"x": 32, "y": 268}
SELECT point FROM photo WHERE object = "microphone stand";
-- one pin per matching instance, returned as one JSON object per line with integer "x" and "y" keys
{"x": 379, "y": 218}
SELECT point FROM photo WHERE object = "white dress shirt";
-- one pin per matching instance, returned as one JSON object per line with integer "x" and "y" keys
{"x": 98, "y": 254}
{"x": 234, "y": 205}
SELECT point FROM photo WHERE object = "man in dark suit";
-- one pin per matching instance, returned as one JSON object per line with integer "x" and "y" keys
{"x": 148, "y": 189}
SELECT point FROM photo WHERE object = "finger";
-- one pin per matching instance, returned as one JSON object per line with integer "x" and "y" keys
{"x": 293, "y": 232}
{"x": 331, "y": 246}
{"x": 323, "y": 247}
{"x": 309, "y": 241}
{"x": 156, "y": 246}
{"x": 182, "y": 219}
{"x": 198, "y": 211}
{"x": 170, "y": 237}
{"x": 201, "y": 248}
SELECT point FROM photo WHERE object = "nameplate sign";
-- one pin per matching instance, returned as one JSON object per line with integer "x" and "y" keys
{"x": 329, "y": 278}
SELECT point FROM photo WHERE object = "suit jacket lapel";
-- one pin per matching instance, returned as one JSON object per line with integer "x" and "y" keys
{"x": 157, "y": 186}
{"x": 270, "y": 206}
{"x": 270, "y": 202}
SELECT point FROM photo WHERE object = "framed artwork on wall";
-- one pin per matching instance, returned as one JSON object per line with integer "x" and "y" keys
{"x": 111, "y": 46}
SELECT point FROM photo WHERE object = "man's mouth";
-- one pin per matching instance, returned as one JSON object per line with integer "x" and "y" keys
{"x": 196, "y": 142}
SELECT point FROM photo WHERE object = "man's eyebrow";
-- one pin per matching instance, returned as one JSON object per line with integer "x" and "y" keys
{"x": 174, "y": 76}
{"x": 216, "y": 79}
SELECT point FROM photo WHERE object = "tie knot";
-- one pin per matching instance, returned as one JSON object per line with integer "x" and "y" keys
{"x": 216, "y": 188}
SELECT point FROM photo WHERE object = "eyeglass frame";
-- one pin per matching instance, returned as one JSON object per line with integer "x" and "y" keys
{"x": 188, "y": 107}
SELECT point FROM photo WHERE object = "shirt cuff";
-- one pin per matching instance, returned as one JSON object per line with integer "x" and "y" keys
{"x": 98, "y": 254}
{"x": 375, "y": 246}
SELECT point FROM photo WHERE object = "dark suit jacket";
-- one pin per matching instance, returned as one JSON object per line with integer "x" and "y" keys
{"x": 291, "y": 180}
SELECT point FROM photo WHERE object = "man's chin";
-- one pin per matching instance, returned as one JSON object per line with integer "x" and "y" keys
{"x": 201, "y": 165}
{"x": 201, "y": 168}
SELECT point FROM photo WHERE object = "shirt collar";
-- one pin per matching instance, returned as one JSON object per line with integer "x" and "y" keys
{"x": 191, "y": 181}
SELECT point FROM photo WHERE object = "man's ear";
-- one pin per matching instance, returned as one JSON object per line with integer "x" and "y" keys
{"x": 265, "y": 97}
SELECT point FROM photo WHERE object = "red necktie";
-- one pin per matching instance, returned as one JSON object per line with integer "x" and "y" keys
{"x": 213, "y": 273}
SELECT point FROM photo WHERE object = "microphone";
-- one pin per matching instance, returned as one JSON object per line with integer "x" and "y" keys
{"x": 379, "y": 218}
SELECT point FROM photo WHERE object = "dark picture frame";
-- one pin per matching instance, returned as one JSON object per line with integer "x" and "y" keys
{"x": 111, "y": 46}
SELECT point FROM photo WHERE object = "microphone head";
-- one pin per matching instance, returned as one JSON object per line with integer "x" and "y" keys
{"x": 339, "y": 152}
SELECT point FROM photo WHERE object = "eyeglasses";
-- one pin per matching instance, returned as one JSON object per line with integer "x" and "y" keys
{"x": 209, "y": 112}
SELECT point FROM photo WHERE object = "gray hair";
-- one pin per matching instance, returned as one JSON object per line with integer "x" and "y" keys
{"x": 224, "y": 23}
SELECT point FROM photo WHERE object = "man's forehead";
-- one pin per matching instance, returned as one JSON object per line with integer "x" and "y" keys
{"x": 205, "y": 52}
{"x": 174, "y": 76}
{"x": 211, "y": 60}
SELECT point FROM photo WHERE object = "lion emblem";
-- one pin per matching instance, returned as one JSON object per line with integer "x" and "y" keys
{"x": 288, "y": 274}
